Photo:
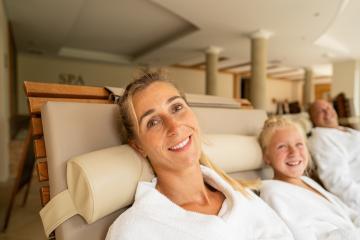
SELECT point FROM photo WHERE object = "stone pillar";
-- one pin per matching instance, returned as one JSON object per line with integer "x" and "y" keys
{"x": 308, "y": 91}
{"x": 212, "y": 58}
{"x": 259, "y": 51}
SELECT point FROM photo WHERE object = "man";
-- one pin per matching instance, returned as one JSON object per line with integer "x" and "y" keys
{"x": 336, "y": 151}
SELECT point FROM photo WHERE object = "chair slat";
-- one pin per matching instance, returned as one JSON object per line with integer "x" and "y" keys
{"x": 42, "y": 171}
{"x": 35, "y": 103}
{"x": 44, "y": 195}
{"x": 37, "y": 130}
{"x": 39, "y": 147}
{"x": 37, "y": 89}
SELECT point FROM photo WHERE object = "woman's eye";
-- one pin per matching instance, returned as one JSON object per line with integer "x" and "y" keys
{"x": 300, "y": 144}
{"x": 177, "y": 107}
{"x": 152, "y": 123}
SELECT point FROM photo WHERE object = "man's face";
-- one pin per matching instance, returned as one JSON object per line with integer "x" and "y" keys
{"x": 323, "y": 115}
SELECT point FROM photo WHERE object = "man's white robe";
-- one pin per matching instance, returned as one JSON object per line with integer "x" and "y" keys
{"x": 337, "y": 155}
{"x": 154, "y": 216}
{"x": 310, "y": 215}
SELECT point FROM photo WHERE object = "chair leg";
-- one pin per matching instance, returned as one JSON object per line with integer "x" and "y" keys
{"x": 9, "y": 208}
{"x": 16, "y": 189}
{"x": 26, "y": 194}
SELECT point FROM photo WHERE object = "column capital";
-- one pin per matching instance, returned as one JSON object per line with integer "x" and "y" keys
{"x": 261, "y": 33}
{"x": 213, "y": 50}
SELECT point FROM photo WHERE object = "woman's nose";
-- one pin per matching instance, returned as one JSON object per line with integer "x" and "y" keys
{"x": 172, "y": 125}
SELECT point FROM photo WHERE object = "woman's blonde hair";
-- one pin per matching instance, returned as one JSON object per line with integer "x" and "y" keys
{"x": 130, "y": 128}
{"x": 275, "y": 123}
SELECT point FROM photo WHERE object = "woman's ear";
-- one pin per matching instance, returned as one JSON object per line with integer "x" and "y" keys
{"x": 137, "y": 148}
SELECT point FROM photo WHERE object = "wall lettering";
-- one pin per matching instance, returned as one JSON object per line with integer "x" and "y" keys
{"x": 69, "y": 78}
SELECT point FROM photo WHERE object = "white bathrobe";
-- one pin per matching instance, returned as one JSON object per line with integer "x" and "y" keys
{"x": 154, "y": 216}
{"x": 308, "y": 214}
{"x": 337, "y": 155}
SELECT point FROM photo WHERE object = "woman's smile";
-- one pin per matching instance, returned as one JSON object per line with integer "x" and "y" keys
{"x": 182, "y": 146}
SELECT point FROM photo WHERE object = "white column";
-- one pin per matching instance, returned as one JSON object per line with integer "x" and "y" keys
{"x": 212, "y": 58}
{"x": 258, "y": 84}
{"x": 308, "y": 92}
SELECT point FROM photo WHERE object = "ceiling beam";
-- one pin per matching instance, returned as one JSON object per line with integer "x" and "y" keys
{"x": 246, "y": 64}
{"x": 246, "y": 72}
{"x": 272, "y": 67}
{"x": 236, "y": 66}
{"x": 201, "y": 64}
{"x": 323, "y": 77}
{"x": 273, "y": 74}
{"x": 290, "y": 76}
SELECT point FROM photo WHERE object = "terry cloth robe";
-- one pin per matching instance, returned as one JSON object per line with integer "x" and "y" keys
{"x": 337, "y": 155}
{"x": 309, "y": 215}
{"x": 154, "y": 216}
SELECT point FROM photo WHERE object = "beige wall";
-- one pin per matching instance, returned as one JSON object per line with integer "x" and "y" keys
{"x": 343, "y": 78}
{"x": 48, "y": 69}
{"x": 225, "y": 87}
{"x": 281, "y": 90}
{"x": 4, "y": 96}
{"x": 346, "y": 77}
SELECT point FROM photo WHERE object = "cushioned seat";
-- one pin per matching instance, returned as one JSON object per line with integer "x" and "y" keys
{"x": 71, "y": 129}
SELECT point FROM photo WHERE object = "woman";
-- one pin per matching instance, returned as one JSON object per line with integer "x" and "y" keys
{"x": 190, "y": 198}
{"x": 310, "y": 211}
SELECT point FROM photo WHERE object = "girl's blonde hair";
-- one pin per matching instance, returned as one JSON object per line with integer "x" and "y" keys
{"x": 130, "y": 128}
{"x": 272, "y": 125}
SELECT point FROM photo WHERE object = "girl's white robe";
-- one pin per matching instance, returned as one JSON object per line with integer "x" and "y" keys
{"x": 154, "y": 216}
{"x": 308, "y": 214}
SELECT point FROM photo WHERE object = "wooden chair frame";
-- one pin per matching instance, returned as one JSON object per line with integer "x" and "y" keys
{"x": 40, "y": 93}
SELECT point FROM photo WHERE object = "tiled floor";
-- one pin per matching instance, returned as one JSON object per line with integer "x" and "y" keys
{"x": 25, "y": 223}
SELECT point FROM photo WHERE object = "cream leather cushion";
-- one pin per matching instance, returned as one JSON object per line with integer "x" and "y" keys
{"x": 104, "y": 181}
{"x": 94, "y": 178}
{"x": 99, "y": 183}
{"x": 233, "y": 153}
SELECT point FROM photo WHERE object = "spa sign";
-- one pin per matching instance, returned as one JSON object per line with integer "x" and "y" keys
{"x": 69, "y": 78}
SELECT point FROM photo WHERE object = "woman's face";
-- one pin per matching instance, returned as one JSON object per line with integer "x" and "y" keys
{"x": 168, "y": 129}
{"x": 287, "y": 153}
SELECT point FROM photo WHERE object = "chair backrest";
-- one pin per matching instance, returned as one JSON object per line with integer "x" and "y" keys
{"x": 71, "y": 128}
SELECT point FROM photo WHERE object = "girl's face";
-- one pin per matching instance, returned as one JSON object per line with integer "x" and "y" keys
{"x": 168, "y": 129}
{"x": 287, "y": 154}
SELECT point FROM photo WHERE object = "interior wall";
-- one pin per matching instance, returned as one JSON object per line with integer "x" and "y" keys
{"x": 188, "y": 80}
{"x": 59, "y": 70}
{"x": 346, "y": 77}
{"x": 4, "y": 96}
{"x": 225, "y": 85}
{"x": 343, "y": 78}
{"x": 281, "y": 90}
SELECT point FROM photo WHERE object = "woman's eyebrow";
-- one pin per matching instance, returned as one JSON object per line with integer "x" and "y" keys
{"x": 150, "y": 111}
{"x": 173, "y": 98}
